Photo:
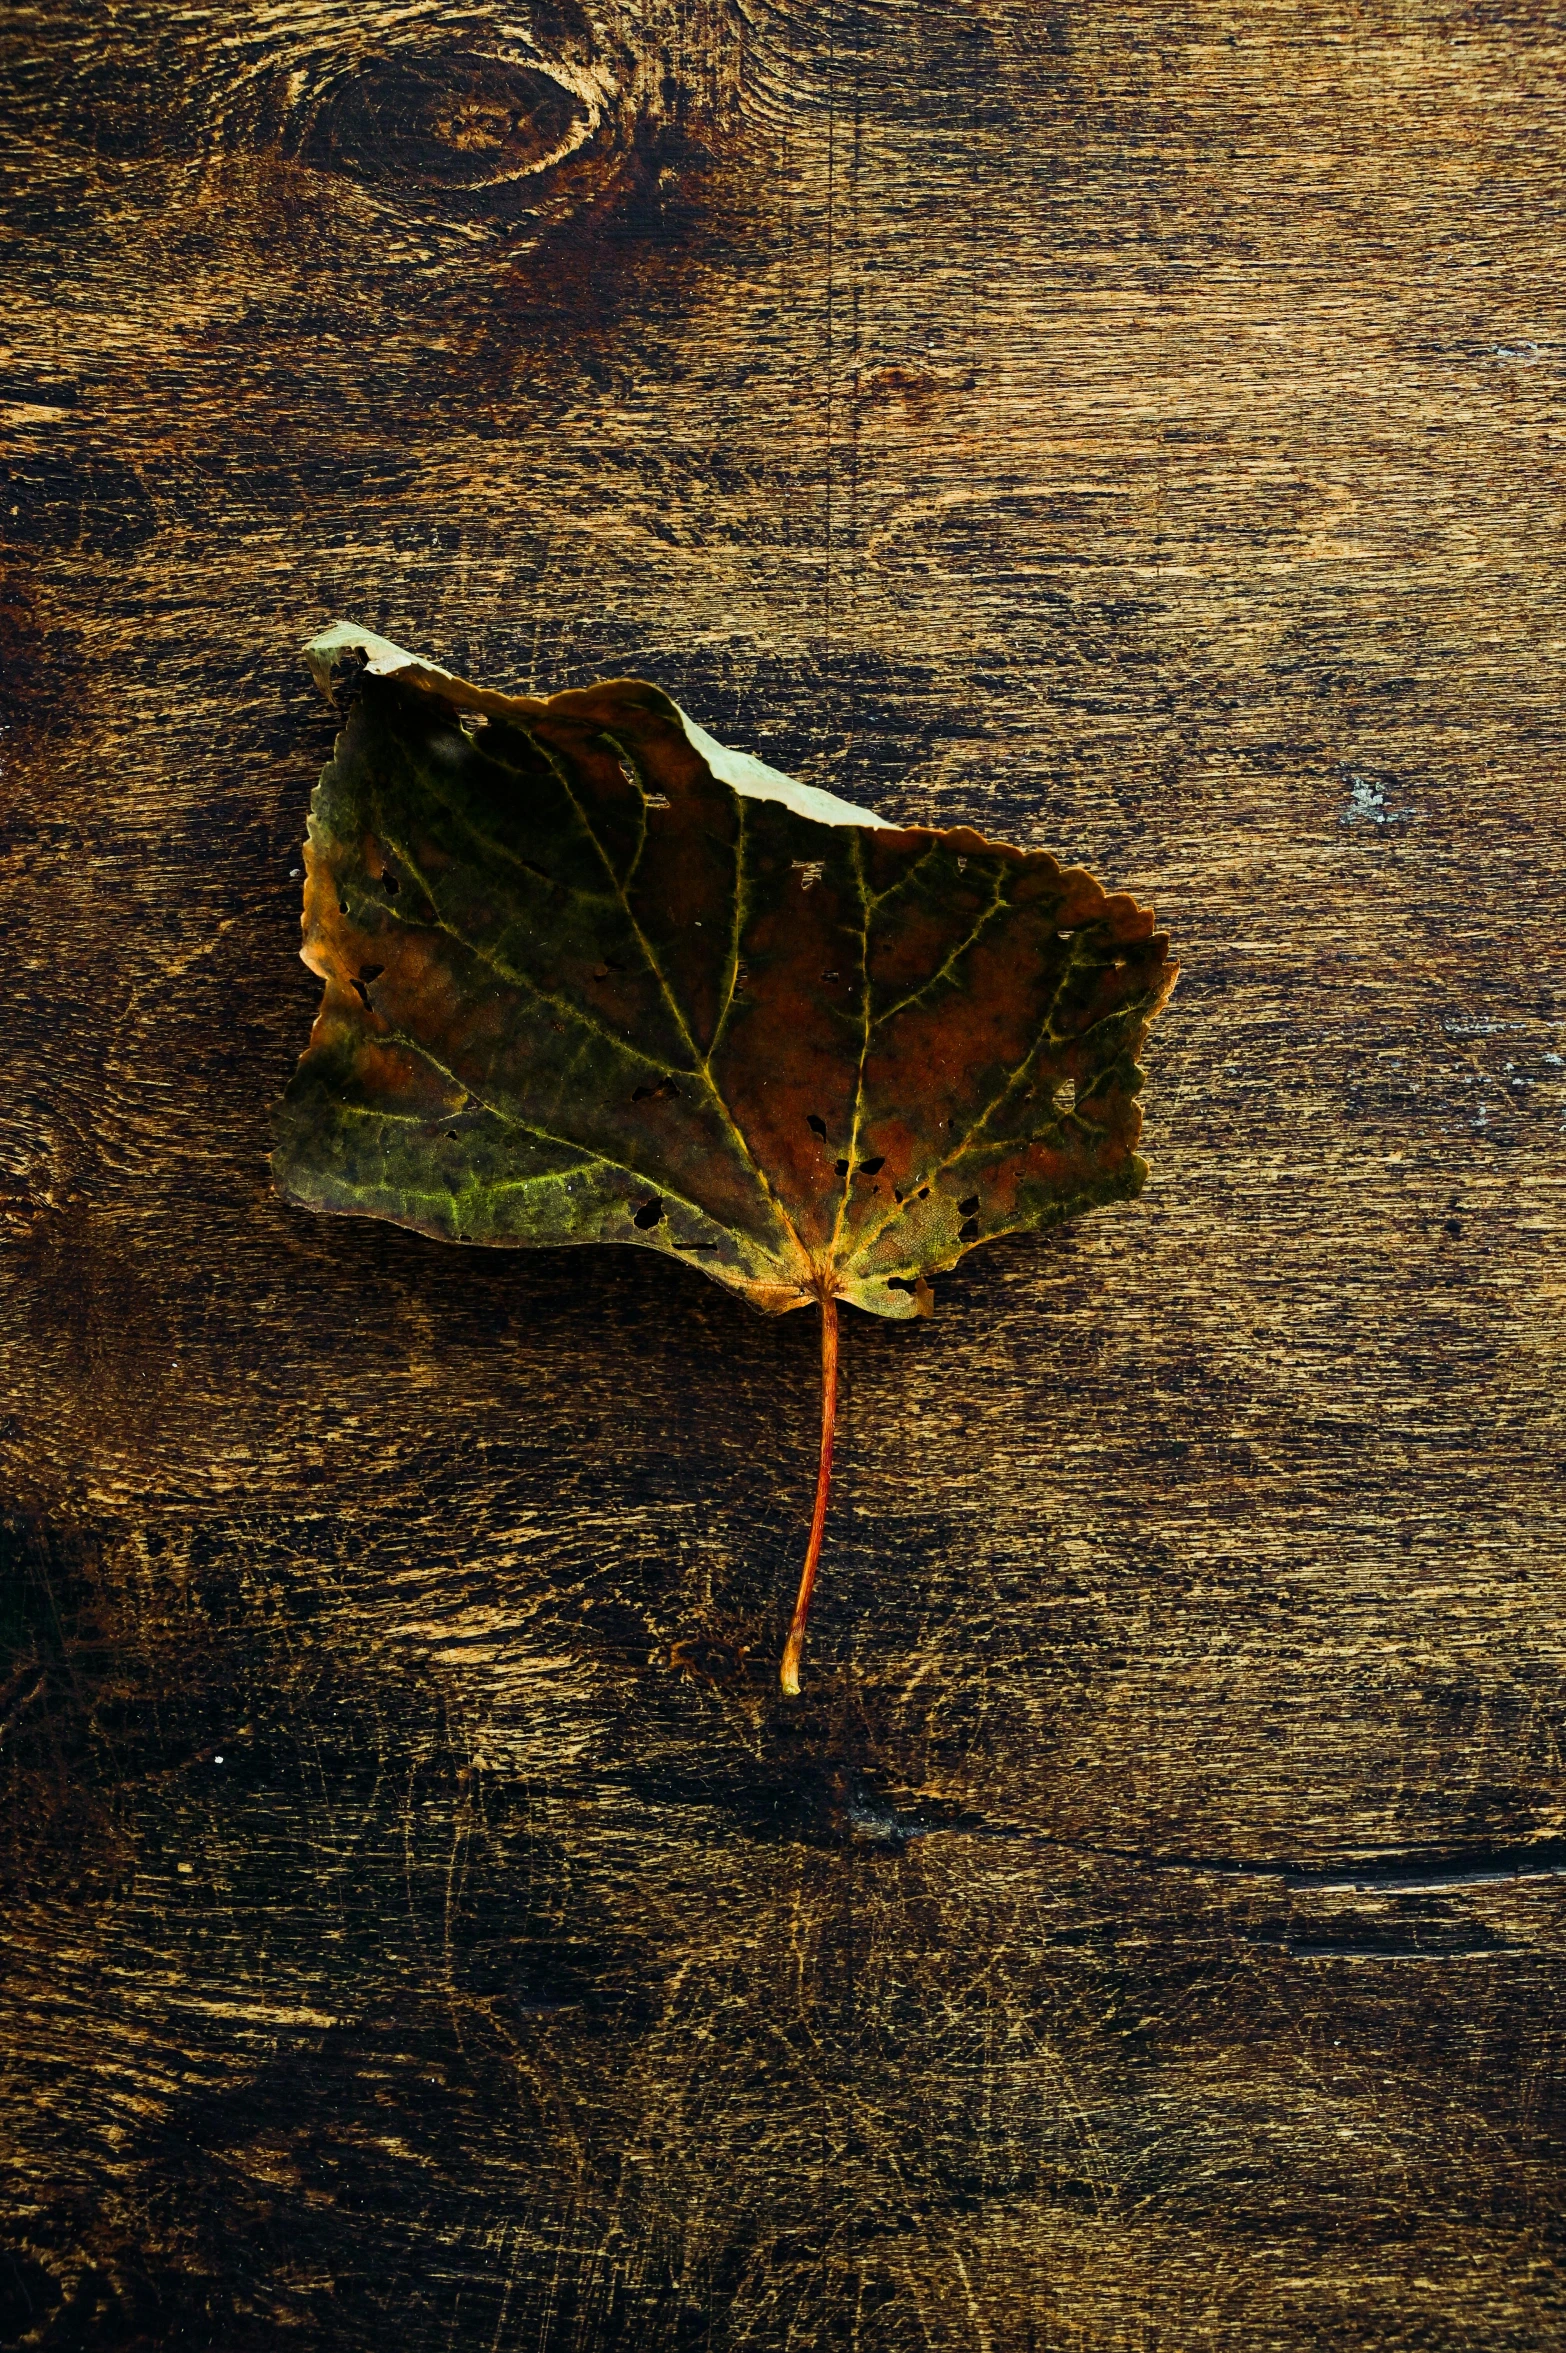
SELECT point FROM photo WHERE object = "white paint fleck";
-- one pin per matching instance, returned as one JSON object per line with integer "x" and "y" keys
{"x": 1367, "y": 802}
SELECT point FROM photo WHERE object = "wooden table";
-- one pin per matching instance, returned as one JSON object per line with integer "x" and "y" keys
{"x": 1141, "y": 433}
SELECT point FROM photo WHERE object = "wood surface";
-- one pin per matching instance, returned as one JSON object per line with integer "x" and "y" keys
{"x": 1137, "y": 431}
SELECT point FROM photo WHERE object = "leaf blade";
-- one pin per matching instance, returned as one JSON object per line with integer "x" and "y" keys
{"x": 579, "y": 987}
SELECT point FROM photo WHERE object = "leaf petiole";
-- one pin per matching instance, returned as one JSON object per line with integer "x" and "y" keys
{"x": 796, "y": 1633}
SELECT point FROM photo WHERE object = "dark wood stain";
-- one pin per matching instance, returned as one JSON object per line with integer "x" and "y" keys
{"x": 1138, "y": 433}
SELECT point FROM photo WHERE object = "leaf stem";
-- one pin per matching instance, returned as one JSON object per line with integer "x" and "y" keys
{"x": 796, "y": 1633}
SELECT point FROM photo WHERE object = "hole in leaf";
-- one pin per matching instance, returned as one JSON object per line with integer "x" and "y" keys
{"x": 896, "y": 1195}
{"x": 657, "y": 800}
{"x": 831, "y": 976}
{"x": 695, "y": 1245}
{"x": 898, "y": 1283}
{"x": 875, "y": 1166}
{"x": 842, "y": 1168}
{"x": 1063, "y": 1095}
{"x": 817, "y": 1125}
{"x": 452, "y": 1137}
{"x": 923, "y": 1193}
{"x": 968, "y": 1231}
{"x": 809, "y": 870}
{"x": 390, "y": 884}
{"x": 970, "y": 1207}
{"x": 648, "y": 1215}
{"x": 342, "y": 906}
{"x": 665, "y": 1086}
{"x": 371, "y": 971}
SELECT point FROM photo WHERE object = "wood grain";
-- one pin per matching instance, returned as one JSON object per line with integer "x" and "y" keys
{"x": 1139, "y": 432}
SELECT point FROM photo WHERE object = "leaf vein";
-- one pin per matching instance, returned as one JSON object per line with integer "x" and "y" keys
{"x": 945, "y": 970}
{"x": 591, "y": 1158}
{"x": 656, "y": 969}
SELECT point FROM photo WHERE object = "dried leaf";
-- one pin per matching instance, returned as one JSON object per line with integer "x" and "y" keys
{"x": 591, "y": 978}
